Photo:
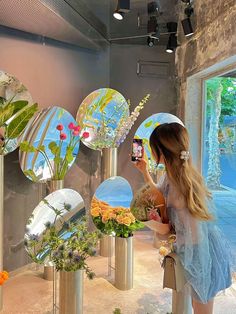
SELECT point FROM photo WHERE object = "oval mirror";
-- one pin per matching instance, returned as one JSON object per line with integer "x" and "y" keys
{"x": 145, "y": 130}
{"x": 43, "y": 133}
{"x": 112, "y": 193}
{"x": 100, "y": 114}
{"x": 54, "y": 211}
{"x": 12, "y": 91}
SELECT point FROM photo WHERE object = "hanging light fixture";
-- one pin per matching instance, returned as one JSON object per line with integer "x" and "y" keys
{"x": 172, "y": 41}
{"x": 123, "y": 6}
{"x": 186, "y": 23}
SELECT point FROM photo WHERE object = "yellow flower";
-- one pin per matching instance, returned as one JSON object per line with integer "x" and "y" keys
{"x": 126, "y": 220}
{"x": 95, "y": 211}
{"x": 163, "y": 251}
{"x": 119, "y": 219}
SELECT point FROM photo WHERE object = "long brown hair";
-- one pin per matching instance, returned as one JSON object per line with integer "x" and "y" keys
{"x": 169, "y": 140}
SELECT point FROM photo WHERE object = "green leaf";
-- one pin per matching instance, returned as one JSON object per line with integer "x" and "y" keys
{"x": 54, "y": 148}
{"x": 18, "y": 124}
{"x": 30, "y": 173}
{"x": 26, "y": 147}
{"x": 41, "y": 147}
{"x": 148, "y": 124}
{"x": 57, "y": 160}
{"x": 69, "y": 155}
{"x": 6, "y": 113}
{"x": 19, "y": 105}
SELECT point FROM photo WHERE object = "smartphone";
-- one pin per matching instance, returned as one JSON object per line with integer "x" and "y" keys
{"x": 137, "y": 149}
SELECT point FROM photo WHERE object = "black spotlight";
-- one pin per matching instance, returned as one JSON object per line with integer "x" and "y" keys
{"x": 186, "y": 23}
{"x": 150, "y": 41}
{"x": 123, "y": 6}
{"x": 187, "y": 27}
{"x": 172, "y": 43}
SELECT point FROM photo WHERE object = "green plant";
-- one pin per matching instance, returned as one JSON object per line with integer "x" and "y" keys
{"x": 118, "y": 220}
{"x": 14, "y": 116}
{"x": 62, "y": 156}
{"x": 117, "y": 311}
{"x": 67, "y": 244}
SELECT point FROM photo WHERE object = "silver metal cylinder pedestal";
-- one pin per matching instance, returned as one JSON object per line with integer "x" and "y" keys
{"x": 71, "y": 292}
{"x": 109, "y": 169}
{"x": 1, "y": 220}
{"x": 124, "y": 263}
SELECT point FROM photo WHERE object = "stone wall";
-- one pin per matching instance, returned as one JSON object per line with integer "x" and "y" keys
{"x": 214, "y": 40}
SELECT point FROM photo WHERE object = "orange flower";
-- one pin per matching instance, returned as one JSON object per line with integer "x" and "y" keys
{"x": 1, "y": 281}
{"x": 95, "y": 211}
{"x": 119, "y": 219}
{"x": 5, "y": 275}
{"x": 126, "y": 221}
{"x": 163, "y": 251}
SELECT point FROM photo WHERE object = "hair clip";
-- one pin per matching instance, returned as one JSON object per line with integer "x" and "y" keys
{"x": 184, "y": 155}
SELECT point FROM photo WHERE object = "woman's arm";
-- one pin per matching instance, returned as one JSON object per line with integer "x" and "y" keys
{"x": 141, "y": 165}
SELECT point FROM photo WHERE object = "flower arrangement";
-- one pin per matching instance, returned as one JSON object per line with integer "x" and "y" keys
{"x": 118, "y": 220}
{"x": 166, "y": 247}
{"x": 4, "y": 275}
{"x": 149, "y": 204}
{"x": 59, "y": 166}
{"x": 67, "y": 244}
{"x": 126, "y": 124}
{"x": 71, "y": 254}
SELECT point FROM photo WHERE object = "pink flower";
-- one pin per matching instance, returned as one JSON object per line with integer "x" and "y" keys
{"x": 153, "y": 215}
{"x": 75, "y": 133}
{"x": 63, "y": 136}
{"x": 85, "y": 135}
{"x": 71, "y": 126}
{"x": 60, "y": 127}
{"x": 77, "y": 128}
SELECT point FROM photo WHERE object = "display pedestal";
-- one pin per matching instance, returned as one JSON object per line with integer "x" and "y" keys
{"x": 71, "y": 292}
{"x": 1, "y": 220}
{"x": 107, "y": 246}
{"x": 124, "y": 263}
{"x": 109, "y": 169}
{"x": 53, "y": 186}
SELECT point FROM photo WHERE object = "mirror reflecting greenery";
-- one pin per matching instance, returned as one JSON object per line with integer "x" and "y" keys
{"x": 16, "y": 110}
{"x": 53, "y": 215}
{"x": 100, "y": 114}
{"x": 49, "y": 145}
{"x": 145, "y": 130}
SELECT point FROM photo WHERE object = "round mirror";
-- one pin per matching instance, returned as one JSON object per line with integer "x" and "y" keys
{"x": 100, "y": 115}
{"x": 113, "y": 193}
{"x": 145, "y": 130}
{"x": 49, "y": 151}
{"x": 54, "y": 212}
{"x": 11, "y": 91}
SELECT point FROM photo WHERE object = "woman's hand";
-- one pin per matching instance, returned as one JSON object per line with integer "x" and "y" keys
{"x": 141, "y": 165}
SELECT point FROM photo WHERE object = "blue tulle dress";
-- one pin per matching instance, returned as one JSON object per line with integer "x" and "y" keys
{"x": 201, "y": 246}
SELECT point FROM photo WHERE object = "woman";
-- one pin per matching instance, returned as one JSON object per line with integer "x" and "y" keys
{"x": 200, "y": 244}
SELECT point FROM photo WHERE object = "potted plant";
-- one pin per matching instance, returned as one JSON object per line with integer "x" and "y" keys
{"x": 121, "y": 222}
{"x": 63, "y": 155}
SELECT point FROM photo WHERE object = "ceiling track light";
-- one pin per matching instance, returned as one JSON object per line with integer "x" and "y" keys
{"x": 123, "y": 6}
{"x": 172, "y": 41}
{"x": 186, "y": 23}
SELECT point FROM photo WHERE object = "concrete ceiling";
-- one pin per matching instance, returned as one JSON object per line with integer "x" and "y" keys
{"x": 129, "y": 25}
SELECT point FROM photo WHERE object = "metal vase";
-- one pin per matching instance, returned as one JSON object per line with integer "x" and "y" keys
{"x": 124, "y": 263}
{"x": 109, "y": 169}
{"x": 107, "y": 246}
{"x": 71, "y": 292}
{"x": 1, "y": 220}
{"x": 53, "y": 186}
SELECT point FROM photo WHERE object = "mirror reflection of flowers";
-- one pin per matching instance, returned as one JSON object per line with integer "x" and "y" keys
{"x": 149, "y": 204}
{"x": 62, "y": 156}
{"x": 3, "y": 277}
{"x": 69, "y": 244}
{"x": 118, "y": 220}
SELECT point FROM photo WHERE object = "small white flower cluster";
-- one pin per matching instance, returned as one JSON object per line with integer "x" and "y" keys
{"x": 125, "y": 126}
